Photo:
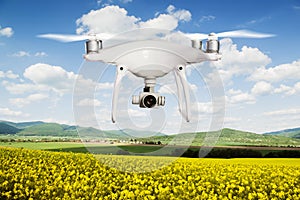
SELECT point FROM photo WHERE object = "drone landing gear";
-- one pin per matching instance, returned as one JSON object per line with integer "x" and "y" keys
{"x": 149, "y": 99}
{"x": 183, "y": 90}
{"x": 121, "y": 72}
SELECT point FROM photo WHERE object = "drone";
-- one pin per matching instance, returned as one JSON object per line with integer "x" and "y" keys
{"x": 151, "y": 59}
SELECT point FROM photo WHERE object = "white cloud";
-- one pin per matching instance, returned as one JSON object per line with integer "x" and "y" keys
{"x": 204, "y": 107}
{"x": 6, "y": 32}
{"x": 238, "y": 97}
{"x": 126, "y": 1}
{"x": 27, "y": 54}
{"x": 21, "y": 88}
{"x": 47, "y": 78}
{"x": 138, "y": 113}
{"x": 21, "y": 54}
{"x": 54, "y": 77}
{"x": 207, "y": 18}
{"x": 254, "y": 21}
{"x": 40, "y": 54}
{"x": 89, "y": 102}
{"x": 237, "y": 62}
{"x": 20, "y": 102}
{"x": 230, "y": 120}
{"x": 110, "y": 19}
{"x": 180, "y": 15}
{"x": 288, "y": 90}
{"x": 104, "y": 86}
{"x": 9, "y": 74}
{"x": 172, "y": 88}
{"x": 6, "y": 112}
{"x": 262, "y": 88}
{"x": 290, "y": 71}
{"x": 290, "y": 111}
{"x": 167, "y": 21}
{"x": 113, "y": 19}
{"x": 162, "y": 21}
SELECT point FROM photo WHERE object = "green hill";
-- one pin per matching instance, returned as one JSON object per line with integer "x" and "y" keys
{"x": 8, "y": 129}
{"x": 22, "y": 125}
{"x": 62, "y": 130}
{"x": 293, "y": 133}
{"x": 227, "y": 137}
{"x": 47, "y": 129}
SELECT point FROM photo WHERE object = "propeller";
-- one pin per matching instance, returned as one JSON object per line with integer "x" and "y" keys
{"x": 74, "y": 38}
{"x": 138, "y": 34}
{"x": 148, "y": 34}
{"x": 231, "y": 34}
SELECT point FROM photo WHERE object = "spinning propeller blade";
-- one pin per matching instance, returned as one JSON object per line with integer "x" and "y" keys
{"x": 74, "y": 38}
{"x": 232, "y": 34}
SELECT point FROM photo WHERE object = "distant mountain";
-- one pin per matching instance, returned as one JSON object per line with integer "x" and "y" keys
{"x": 48, "y": 129}
{"x": 292, "y": 133}
{"x": 227, "y": 137}
{"x": 39, "y": 128}
{"x": 22, "y": 125}
{"x": 8, "y": 129}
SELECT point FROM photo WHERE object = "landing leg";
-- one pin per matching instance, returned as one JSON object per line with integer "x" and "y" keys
{"x": 121, "y": 72}
{"x": 182, "y": 84}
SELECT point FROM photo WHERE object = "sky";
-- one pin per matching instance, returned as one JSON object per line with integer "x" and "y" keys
{"x": 259, "y": 78}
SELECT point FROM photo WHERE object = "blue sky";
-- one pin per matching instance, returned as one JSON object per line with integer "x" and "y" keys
{"x": 261, "y": 77}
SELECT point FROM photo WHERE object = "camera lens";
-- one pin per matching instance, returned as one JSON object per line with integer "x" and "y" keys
{"x": 149, "y": 101}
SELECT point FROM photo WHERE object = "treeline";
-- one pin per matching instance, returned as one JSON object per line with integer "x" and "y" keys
{"x": 237, "y": 153}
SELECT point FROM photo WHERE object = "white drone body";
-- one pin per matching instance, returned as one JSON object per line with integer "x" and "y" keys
{"x": 151, "y": 59}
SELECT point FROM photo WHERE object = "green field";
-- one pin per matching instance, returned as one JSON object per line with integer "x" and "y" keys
{"x": 157, "y": 150}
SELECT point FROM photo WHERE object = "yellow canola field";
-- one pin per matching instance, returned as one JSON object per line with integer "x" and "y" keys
{"x": 32, "y": 174}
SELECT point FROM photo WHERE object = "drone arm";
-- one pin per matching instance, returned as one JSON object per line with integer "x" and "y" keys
{"x": 181, "y": 80}
{"x": 121, "y": 71}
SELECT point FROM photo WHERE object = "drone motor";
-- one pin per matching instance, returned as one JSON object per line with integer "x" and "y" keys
{"x": 93, "y": 46}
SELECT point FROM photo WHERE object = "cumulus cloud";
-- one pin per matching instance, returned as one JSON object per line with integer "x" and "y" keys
{"x": 262, "y": 88}
{"x": 238, "y": 97}
{"x": 237, "y": 62}
{"x": 181, "y": 14}
{"x": 20, "y": 102}
{"x": 287, "y": 90}
{"x": 44, "y": 77}
{"x": 22, "y": 88}
{"x": 8, "y": 74}
{"x": 110, "y": 19}
{"x": 113, "y": 19}
{"x": 137, "y": 113}
{"x": 6, "y": 112}
{"x": 172, "y": 88}
{"x": 89, "y": 102}
{"x": 6, "y": 31}
{"x": 290, "y": 71}
{"x": 290, "y": 111}
{"x": 54, "y": 77}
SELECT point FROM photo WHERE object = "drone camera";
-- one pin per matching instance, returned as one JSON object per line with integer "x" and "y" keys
{"x": 148, "y": 100}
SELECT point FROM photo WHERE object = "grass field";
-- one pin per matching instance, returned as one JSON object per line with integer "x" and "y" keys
{"x": 154, "y": 150}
